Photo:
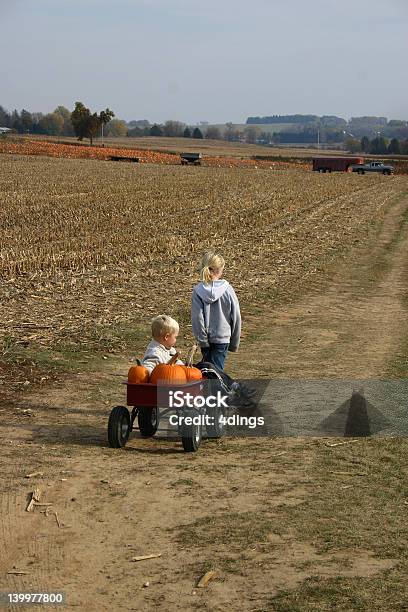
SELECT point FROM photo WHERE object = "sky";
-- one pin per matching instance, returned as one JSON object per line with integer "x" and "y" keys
{"x": 206, "y": 60}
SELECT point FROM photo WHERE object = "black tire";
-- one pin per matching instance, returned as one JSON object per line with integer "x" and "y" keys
{"x": 118, "y": 427}
{"x": 148, "y": 421}
{"x": 386, "y": 172}
{"x": 217, "y": 427}
{"x": 191, "y": 435}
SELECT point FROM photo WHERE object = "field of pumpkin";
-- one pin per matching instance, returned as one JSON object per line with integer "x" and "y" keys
{"x": 89, "y": 250}
{"x": 76, "y": 151}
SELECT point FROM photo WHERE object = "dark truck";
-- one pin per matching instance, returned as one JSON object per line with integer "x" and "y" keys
{"x": 336, "y": 164}
{"x": 374, "y": 166}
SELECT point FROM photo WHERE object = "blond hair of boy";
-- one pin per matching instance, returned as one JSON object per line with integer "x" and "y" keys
{"x": 161, "y": 349}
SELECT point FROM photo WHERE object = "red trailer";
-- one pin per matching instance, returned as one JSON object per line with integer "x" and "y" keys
{"x": 335, "y": 164}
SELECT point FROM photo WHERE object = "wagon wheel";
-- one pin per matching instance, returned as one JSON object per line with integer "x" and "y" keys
{"x": 191, "y": 435}
{"x": 118, "y": 427}
{"x": 217, "y": 427}
{"x": 148, "y": 420}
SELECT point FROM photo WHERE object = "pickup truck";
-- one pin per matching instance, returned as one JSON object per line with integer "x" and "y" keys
{"x": 374, "y": 166}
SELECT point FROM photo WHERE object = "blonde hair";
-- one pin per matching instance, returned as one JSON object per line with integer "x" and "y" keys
{"x": 163, "y": 324}
{"x": 210, "y": 263}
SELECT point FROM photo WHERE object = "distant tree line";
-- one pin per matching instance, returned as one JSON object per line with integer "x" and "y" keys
{"x": 377, "y": 146}
{"x": 332, "y": 127}
{"x": 61, "y": 122}
{"x": 171, "y": 129}
{"x": 56, "y": 123}
{"x": 301, "y": 129}
{"x": 84, "y": 124}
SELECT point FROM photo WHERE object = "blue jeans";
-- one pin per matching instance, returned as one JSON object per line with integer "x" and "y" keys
{"x": 215, "y": 353}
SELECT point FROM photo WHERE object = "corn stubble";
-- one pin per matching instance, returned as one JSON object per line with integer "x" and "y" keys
{"x": 86, "y": 245}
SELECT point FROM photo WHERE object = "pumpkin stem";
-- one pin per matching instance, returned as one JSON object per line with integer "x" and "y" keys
{"x": 190, "y": 355}
{"x": 173, "y": 359}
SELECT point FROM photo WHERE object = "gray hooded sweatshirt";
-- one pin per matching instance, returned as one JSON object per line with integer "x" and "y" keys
{"x": 215, "y": 314}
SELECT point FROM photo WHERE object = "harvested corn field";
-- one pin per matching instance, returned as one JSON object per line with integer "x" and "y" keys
{"x": 86, "y": 246}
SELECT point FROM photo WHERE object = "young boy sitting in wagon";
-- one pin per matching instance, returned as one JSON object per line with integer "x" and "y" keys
{"x": 161, "y": 349}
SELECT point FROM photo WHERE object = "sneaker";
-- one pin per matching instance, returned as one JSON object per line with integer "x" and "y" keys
{"x": 241, "y": 396}
{"x": 234, "y": 397}
{"x": 246, "y": 392}
{"x": 232, "y": 394}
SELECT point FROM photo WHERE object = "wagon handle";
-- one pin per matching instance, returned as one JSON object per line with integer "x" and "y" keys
{"x": 190, "y": 355}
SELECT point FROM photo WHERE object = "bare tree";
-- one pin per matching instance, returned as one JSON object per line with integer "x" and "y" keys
{"x": 213, "y": 132}
{"x": 174, "y": 128}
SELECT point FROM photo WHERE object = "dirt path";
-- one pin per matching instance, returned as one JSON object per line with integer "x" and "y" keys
{"x": 351, "y": 327}
{"x": 218, "y": 508}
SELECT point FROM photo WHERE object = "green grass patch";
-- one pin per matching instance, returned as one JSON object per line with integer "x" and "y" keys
{"x": 70, "y": 356}
{"x": 398, "y": 366}
{"x": 236, "y": 529}
{"x": 386, "y": 593}
{"x": 352, "y": 510}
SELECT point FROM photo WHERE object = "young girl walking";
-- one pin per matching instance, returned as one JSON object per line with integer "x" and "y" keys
{"x": 216, "y": 323}
{"x": 215, "y": 312}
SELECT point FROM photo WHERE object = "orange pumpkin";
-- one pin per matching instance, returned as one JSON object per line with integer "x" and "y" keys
{"x": 192, "y": 373}
{"x": 138, "y": 374}
{"x": 169, "y": 373}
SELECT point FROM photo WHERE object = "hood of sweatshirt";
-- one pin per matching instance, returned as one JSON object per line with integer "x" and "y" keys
{"x": 213, "y": 291}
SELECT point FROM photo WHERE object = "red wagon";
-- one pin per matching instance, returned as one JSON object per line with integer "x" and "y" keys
{"x": 149, "y": 403}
